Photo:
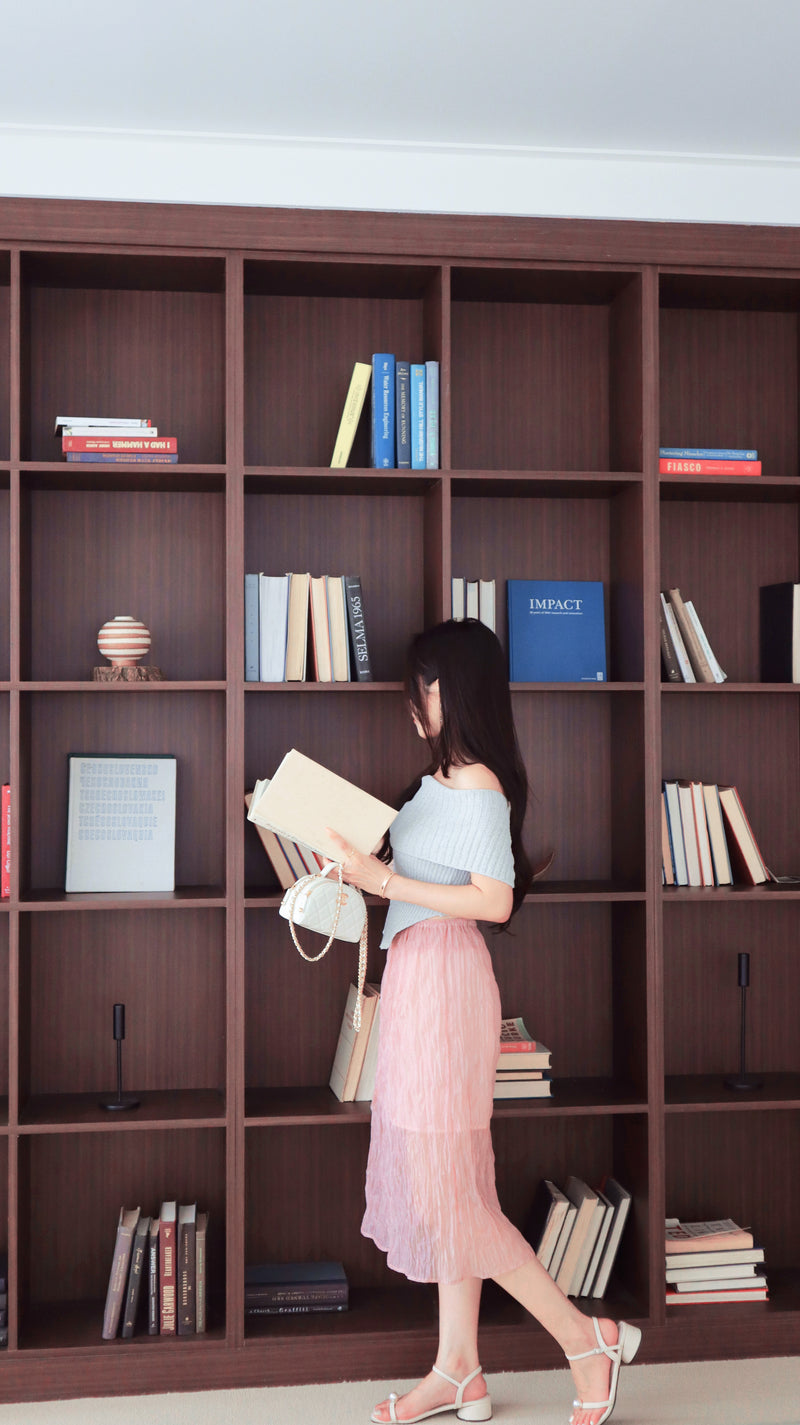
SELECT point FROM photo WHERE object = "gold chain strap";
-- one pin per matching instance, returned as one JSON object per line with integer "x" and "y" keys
{"x": 312, "y": 959}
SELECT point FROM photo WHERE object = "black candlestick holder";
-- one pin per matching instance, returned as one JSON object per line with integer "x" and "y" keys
{"x": 743, "y": 1082}
{"x": 122, "y": 1101}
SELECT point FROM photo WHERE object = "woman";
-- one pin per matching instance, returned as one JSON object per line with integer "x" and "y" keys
{"x": 431, "y": 1199}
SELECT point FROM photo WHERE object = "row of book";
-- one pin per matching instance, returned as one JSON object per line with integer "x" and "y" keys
{"x": 158, "y": 1273}
{"x": 474, "y": 598}
{"x": 706, "y": 837}
{"x": 576, "y": 1231}
{"x": 286, "y": 614}
{"x": 283, "y": 1288}
{"x": 712, "y": 1262}
{"x": 114, "y": 440}
{"x": 404, "y": 426}
{"x": 707, "y": 460}
{"x": 686, "y": 653}
{"x": 524, "y": 1064}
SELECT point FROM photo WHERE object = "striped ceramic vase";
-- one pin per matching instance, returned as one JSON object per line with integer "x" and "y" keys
{"x": 124, "y": 640}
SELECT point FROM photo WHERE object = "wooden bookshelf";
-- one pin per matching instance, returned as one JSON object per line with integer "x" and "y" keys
{"x": 569, "y": 351}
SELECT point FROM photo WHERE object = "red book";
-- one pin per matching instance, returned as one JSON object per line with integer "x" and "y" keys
{"x": 709, "y": 467}
{"x": 5, "y": 862}
{"x": 120, "y": 443}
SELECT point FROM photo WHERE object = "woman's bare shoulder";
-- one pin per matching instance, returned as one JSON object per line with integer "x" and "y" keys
{"x": 473, "y": 776}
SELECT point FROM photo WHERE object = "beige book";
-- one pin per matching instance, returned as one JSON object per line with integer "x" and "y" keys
{"x": 303, "y": 798}
{"x": 700, "y": 664}
{"x": 337, "y": 624}
{"x": 701, "y": 828}
{"x": 576, "y": 1257}
{"x": 666, "y": 851}
{"x": 366, "y": 1083}
{"x": 297, "y": 629}
{"x": 352, "y": 1047}
{"x": 353, "y": 406}
{"x": 716, "y": 835}
{"x": 320, "y": 632}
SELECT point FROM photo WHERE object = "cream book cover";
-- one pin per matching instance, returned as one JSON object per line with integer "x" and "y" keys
{"x": 121, "y": 823}
{"x": 304, "y": 797}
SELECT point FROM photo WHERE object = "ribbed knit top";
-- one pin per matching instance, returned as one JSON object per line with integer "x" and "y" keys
{"x": 444, "y": 835}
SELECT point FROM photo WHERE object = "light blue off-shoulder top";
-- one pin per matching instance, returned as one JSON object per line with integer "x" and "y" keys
{"x": 444, "y": 835}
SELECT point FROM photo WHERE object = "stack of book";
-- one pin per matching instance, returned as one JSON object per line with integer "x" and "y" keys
{"x": 282, "y": 1288}
{"x": 523, "y": 1064}
{"x": 287, "y": 613}
{"x": 474, "y": 598}
{"x": 353, "y": 1072}
{"x": 576, "y": 1232}
{"x": 686, "y": 653}
{"x": 404, "y": 414}
{"x": 707, "y": 460}
{"x": 114, "y": 440}
{"x": 157, "y": 1281}
{"x": 712, "y": 1261}
{"x": 706, "y": 837}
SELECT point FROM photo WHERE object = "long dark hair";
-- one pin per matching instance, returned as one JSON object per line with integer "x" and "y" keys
{"x": 477, "y": 721}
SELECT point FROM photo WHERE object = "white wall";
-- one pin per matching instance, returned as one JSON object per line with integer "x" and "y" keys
{"x": 37, "y": 162}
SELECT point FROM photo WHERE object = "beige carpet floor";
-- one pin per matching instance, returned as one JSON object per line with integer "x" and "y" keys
{"x": 748, "y": 1392}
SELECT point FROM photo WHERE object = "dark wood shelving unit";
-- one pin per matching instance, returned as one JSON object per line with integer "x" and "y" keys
{"x": 569, "y": 351}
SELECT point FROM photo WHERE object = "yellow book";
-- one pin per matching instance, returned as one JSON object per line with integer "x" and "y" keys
{"x": 351, "y": 414}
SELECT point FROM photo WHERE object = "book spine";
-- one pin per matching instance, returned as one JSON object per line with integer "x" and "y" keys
{"x": 117, "y": 1281}
{"x": 353, "y": 406}
{"x": 134, "y": 423}
{"x": 709, "y": 467}
{"x": 135, "y": 458}
{"x": 419, "y": 454}
{"x": 432, "y": 414}
{"x": 383, "y": 396}
{"x": 168, "y": 1277}
{"x": 668, "y": 656}
{"x": 711, "y": 658}
{"x": 153, "y": 1281}
{"x": 300, "y": 1295}
{"x": 187, "y": 1279}
{"x": 678, "y": 645}
{"x": 5, "y": 832}
{"x": 251, "y": 635}
{"x": 675, "y": 452}
{"x": 358, "y": 634}
{"x": 113, "y": 444}
{"x": 403, "y": 389}
{"x": 294, "y": 1309}
{"x": 200, "y": 1251}
{"x": 697, "y": 657}
{"x": 138, "y": 1265}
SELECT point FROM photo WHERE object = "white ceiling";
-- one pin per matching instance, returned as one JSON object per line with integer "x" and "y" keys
{"x": 668, "y": 77}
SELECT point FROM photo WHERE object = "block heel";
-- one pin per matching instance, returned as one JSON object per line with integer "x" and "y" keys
{"x": 476, "y": 1409}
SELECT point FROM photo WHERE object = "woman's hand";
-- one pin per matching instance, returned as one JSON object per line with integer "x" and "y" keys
{"x": 365, "y": 872}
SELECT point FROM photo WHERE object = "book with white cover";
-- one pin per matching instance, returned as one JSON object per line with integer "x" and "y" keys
{"x": 121, "y": 823}
{"x": 620, "y": 1199}
{"x": 303, "y": 798}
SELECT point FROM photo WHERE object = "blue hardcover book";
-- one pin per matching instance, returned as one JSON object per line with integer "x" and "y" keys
{"x": 674, "y": 452}
{"x": 403, "y": 415}
{"x": 383, "y": 396}
{"x": 556, "y": 631}
{"x": 252, "y": 639}
{"x": 432, "y": 414}
{"x": 419, "y": 453}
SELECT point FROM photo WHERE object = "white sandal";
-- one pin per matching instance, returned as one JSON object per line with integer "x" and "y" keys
{"x": 480, "y": 1409}
{"x": 623, "y": 1349}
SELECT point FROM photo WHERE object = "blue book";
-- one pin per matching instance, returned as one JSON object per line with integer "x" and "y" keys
{"x": 432, "y": 414}
{"x": 403, "y": 415}
{"x": 383, "y": 397}
{"x": 556, "y": 631}
{"x": 252, "y": 640}
{"x": 419, "y": 453}
{"x": 674, "y": 452}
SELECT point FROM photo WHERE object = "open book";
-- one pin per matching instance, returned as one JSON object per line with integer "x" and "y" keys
{"x": 303, "y": 798}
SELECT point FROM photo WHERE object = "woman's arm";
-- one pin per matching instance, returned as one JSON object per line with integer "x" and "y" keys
{"x": 482, "y": 899}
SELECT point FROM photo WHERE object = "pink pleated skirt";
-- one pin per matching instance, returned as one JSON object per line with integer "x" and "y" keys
{"x": 430, "y": 1192}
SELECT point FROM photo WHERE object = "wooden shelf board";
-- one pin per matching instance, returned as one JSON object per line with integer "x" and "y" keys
{"x": 184, "y": 898}
{"x": 81, "y": 1112}
{"x": 77, "y": 1326}
{"x": 758, "y": 488}
{"x": 770, "y": 890}
{"x": 312, "y": 480}
{"x": 89, "y": 686}
{"x": 570, "y": 892}
{"x": 85, "y": 475}
{"x": 605, "y": 687}
{"x": 730, "y": 687}
{"x": 559, "y": 484}
{"x": 318, "y": 1106}
{"x": 699, "y": 1093}
{"x": 309, "y": 687}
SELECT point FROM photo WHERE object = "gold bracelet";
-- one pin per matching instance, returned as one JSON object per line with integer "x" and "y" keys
{"x": 384, "y": 884}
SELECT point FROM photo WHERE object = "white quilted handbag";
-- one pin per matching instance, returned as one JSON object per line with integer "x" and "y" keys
{"x": 331, "y": 909}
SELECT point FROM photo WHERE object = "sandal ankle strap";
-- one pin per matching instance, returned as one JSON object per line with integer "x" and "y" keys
{"x": 460, "y": 1385}
{"x": 601, "y": 1349}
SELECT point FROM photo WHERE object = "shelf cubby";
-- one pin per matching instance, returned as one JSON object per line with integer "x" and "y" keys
{"x": 124, "y": 334}
{"x": 305, "y": 325}
{"x": 157, "y": 555}
{"x": 507, "y": 528}
{"x": 546, "y": 367}
{"x": 73, "y": 968}
{"x": 188, "y": 725}
{"x": 65, "y": 1256}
